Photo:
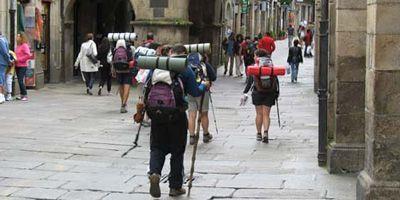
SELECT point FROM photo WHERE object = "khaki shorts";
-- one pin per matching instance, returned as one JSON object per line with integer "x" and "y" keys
{"x": 194, "y": 103}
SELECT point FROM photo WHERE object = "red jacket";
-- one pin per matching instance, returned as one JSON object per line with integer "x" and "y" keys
{"x": 267, "y": 43}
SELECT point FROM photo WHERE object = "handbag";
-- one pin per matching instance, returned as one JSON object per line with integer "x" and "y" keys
{"x": 288, "y": 68}
{"x": 109, "y": 57}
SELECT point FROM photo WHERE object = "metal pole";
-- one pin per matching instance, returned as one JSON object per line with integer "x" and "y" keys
{"x": 323, "y": 83}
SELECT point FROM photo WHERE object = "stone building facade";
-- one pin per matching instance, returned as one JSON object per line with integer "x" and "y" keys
{"x": 364, "y": 95}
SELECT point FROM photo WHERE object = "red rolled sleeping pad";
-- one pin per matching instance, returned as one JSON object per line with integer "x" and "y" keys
{"x": 256, "y": 70}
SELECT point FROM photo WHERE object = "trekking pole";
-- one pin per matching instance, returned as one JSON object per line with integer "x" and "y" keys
{"x": 196, "y": 136}
{"x": 135, "y": 143}
{"x": 277, "y": 110}
{"x": 213, "y": 111}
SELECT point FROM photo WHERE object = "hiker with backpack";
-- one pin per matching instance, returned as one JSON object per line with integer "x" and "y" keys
{"x": 203, "y": 72}
{"x": 294, "y": 59}
{"x": 265, "y": 90}
{"x": 122, "y": 71}
{"x": 166, "y": 106}
{"x": 88, "y": 62}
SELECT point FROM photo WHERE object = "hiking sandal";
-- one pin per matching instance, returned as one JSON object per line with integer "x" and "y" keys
{"x": 259, "y": 137}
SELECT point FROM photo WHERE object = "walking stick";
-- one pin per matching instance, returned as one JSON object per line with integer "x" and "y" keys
{"x": 213, "y": 111}
{"x": 277, "y": 110}
{"x": 196, "y": 136}
{"x": 135, "y": 143}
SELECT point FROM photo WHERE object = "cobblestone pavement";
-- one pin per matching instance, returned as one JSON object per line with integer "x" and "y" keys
{"x": 66, "y": 145}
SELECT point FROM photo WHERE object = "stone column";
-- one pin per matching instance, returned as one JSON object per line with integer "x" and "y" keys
{"x": 167, "y": 19}
{"x": 346, "y": 152}
{"x": 4, "y": 18}
{"x": 381, "y": 176}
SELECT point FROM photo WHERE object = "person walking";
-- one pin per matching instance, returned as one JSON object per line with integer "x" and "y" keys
{"x": 307, "y": 42}
{"x": 230, "y": 52}
{"x": 248, "y": 49}
{"x": 267, "y": 43}
{"x": 24, "y": 55}
{"x": 265, "y": 91}
{"x": 88, "y": 62}
{"x": 104, "y": 52}
{"x": 170, "y": 135}
{"x": 203, "y": 72}
{"x": 290, "y": 32}
{"x": 4, "y": 62}
{"x": 294, "y": 59}
{"x": 121, "y": 57}
{"x": 238, "y": 55}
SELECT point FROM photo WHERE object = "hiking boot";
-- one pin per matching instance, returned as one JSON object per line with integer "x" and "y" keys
{"x": 123, "y": 109}
{"x": 207, "y": 138}
{"x": 259, "y": 137}
{"x": 192, "y": 140}
{"x": 155, "y": 185}
{"x": 176, "y": 192}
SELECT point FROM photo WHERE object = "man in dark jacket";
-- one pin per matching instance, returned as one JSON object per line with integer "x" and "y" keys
{"x": 294, "y": 59}
{"x": 171, "y": 138}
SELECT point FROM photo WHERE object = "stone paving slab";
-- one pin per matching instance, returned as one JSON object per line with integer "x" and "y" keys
{"x": 67, "y": 150}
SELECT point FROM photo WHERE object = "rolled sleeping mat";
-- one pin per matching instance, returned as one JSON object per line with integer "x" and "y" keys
{"x": 112, "y": 37}
{"x": 166, "y": 63}
{"x": 200, "y": 48}
{"x": 256, "y": 70}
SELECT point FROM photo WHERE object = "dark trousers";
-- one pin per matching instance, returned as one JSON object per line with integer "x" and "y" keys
{"x": 89, "y": 79}
{"x": 169, "y": 138}
{"x": 105, "y": 74}
{"x": 21, "y": 73}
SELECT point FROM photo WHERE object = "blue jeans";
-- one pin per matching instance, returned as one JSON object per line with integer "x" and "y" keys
{"x": 294, "y": 68}
{"x": 2, "y": 75}
{"x": 89, "y": 79}
{"x": 21, "y": 73}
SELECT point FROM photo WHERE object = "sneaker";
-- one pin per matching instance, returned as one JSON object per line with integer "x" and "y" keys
{"x": 146, "y": 123}
{"x": 2, "y": 99}
{"x": 109, "y": 93}
{"x": 123, "y": 109}
{"x": 89, "y": 92}
{"x": 207, "y": 138}
{"x": 176, "y": 192}
{"x": 8, "y": 97}
{"x": 155, "y": 185}
{"x": 25, "y": 98}
{"x": 19, "y": 98}
{"x": 259, "y": 137}
{"x": 192, "y": 140}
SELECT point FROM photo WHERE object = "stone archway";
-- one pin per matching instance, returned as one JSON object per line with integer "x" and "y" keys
{"x": 229, "y": 14}
{"x": 79, "y": 15}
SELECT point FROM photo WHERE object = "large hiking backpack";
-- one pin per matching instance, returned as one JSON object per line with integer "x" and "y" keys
{"x": 199, "y": 68}
{"x": 120, "y": 60}
{"x": 266, "y": 84}
{"x": 164, "y": 97}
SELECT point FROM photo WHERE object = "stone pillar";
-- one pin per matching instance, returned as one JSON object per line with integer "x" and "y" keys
{"x": 331, "y": 70}
{"x": 346, "y": 152}
{"x": 381, "y": 176}
{"x": 4, "y": 18}
{"x": 167, "y": 19}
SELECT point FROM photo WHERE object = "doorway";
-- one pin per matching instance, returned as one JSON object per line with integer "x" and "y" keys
{"x": 100, "y": 17}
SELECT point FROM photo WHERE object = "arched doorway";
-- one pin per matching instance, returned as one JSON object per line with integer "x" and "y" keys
{"x": 95, "y": 16}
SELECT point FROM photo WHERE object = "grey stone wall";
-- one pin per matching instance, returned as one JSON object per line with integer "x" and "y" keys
{"x": 381, "y": 176}
{"x": 345, "y": 153}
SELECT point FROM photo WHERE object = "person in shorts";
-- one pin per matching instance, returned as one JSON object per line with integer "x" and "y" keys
{"x": 263, "y": 98}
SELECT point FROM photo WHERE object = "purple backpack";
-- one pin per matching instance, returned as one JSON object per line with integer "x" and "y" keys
{"x": 120, "y": 59}
{"x": 164, "y": 101}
